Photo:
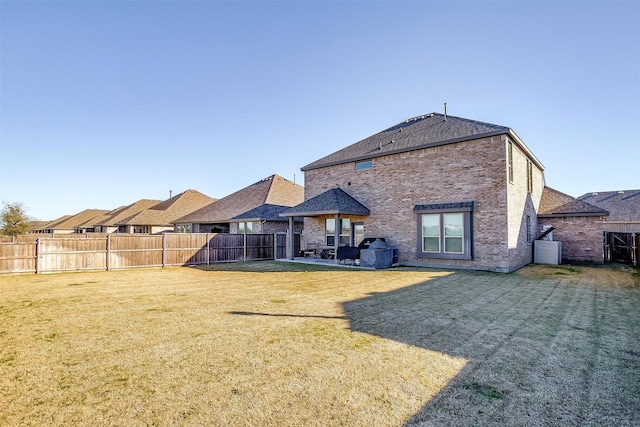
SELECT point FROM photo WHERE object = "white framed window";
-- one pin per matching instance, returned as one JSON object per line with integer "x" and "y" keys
{"x": 510, "y": 160}
{"x": 330, "y": 231}
{"x": 344, "y": 232}
{"x": 445, "y": 230}
{"x": 183, "y": 228}
{"x": 245, "y": 228}
{"x": 529, "y": 176}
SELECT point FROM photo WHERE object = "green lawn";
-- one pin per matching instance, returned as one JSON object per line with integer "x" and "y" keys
{"x": 274, "y": 343}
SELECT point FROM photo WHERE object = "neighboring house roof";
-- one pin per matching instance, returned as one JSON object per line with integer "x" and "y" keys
{"x": 71, "y": 222}
{"x": 265, "y": 212}
{"x": 37, "y": 225}
{"x": 273, "y": 190}
{"x": 554, "y": 203}
{"x": 166, "y": 212}
{"x": 52, "y": 224}
{"x": 331, "y": 202}
{"x": 124, "y": 212}
{"x": 622, "y": 205}
{"x": 417, "y": 133}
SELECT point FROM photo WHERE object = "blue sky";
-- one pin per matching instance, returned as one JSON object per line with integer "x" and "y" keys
{"x": 103, "y": 103}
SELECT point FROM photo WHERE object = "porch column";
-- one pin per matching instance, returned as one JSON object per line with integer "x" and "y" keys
{"x": 336, "y": 240}
{"x": 291, "y": 239}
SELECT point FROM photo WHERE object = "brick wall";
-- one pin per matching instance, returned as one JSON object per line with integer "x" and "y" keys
{"x": 469, "y": 170}
{"x": 521, "y": 204}
{"x": 581, "y": 237}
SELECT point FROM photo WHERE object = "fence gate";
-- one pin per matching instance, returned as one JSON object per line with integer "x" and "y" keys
{"x": 281, "y": 245}
{"x": 621, "y": 247}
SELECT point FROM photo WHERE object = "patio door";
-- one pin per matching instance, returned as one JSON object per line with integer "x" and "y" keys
{"x": 357, "y": 233}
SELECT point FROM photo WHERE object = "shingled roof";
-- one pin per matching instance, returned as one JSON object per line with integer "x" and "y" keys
{"x": 124, "y": 212}
{"x": 622, "y": 205}
{"x": 164, "y": 213}
{"x": 50, "y": 225}
{"x": 420, "y": 132}
{"x": 331, "y": 202}
{"x": 554, "y": 204}
{"x": 262, "y": 213}
{"x": 71, "y": 222}
{"x": 273, "y": 190}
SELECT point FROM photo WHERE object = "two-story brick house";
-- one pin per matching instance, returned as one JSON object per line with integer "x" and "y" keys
{"x": 445, "y": 191}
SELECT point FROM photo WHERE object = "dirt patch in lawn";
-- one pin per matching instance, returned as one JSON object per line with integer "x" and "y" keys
{"x": 281, "y": 344}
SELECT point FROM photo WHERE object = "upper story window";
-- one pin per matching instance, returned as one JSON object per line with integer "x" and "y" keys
{"x": 365, "y": 164}
{"x": 510, "y": 160}
{"x": 529, "y": 176}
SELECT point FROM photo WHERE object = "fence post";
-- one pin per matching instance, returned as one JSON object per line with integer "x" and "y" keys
{"x": 244, "y": 244}
{"x": 164, "y": 249}
{"x": 108, "y": 252}
{"x": 37, "y": 255}
{"x": 275, "y": 246}
{"x": 208, "y": 251}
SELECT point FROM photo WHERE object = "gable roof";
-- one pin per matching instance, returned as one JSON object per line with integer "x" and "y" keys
{"x": 50, "y": 225}
{"x": 37, "y": 225}
{"x": 331, "y": 202}
{"x": 273, "y": 190}
{"x": 622, "y": 205}
{"x": 164, "y": 213}
{"x": 71, "y": 222}
{"x": 554, "y": 203}
{"x": 124, "y": 212}
{"x": 429, "y": 130}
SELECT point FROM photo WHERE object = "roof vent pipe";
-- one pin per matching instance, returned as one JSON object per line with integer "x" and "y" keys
{"x": 170, "y": 193}
{"x": 445, "y": 111}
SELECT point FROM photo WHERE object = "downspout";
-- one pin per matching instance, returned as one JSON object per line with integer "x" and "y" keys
{"x": 634, "y": 249}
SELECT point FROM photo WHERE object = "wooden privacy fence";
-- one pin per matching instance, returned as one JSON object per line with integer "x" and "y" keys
{"x": 118, "y": 251}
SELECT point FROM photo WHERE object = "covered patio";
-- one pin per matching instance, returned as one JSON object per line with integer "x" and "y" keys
{"x": 335, "y": 202}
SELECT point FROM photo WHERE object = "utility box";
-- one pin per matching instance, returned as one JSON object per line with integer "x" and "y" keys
{"x": 547, "y": 252}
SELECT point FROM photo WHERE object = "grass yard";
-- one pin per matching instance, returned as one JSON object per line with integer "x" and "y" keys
{"x": 273, "y": 343}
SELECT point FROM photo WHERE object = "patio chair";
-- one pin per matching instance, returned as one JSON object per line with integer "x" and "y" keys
{"x": 311, "y": 250}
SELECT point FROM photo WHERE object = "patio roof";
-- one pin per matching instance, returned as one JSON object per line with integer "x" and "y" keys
{"x": 331, "y": 202}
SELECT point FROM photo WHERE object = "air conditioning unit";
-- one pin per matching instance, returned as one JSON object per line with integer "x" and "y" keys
{"x": 547, "y": 252}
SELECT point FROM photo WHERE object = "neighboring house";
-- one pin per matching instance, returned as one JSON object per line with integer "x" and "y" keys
{"x": 253, "y": 209}
{"x": 109, "y": 224}
{"x": 35, "y": 226}
{"x": 49, "y": 226}
{"x": 83, "y": 222}
{"x": 577, "y": 224}
{"x": 160, "y": 217}
{"x": 622, "y": 227}
{"x": 446, "y": 191}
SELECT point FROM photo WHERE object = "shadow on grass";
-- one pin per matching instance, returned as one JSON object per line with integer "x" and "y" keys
{"x": 541, "y": 350}
{"x": 252, "y": 313}
{"x": 538, "y": 351}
